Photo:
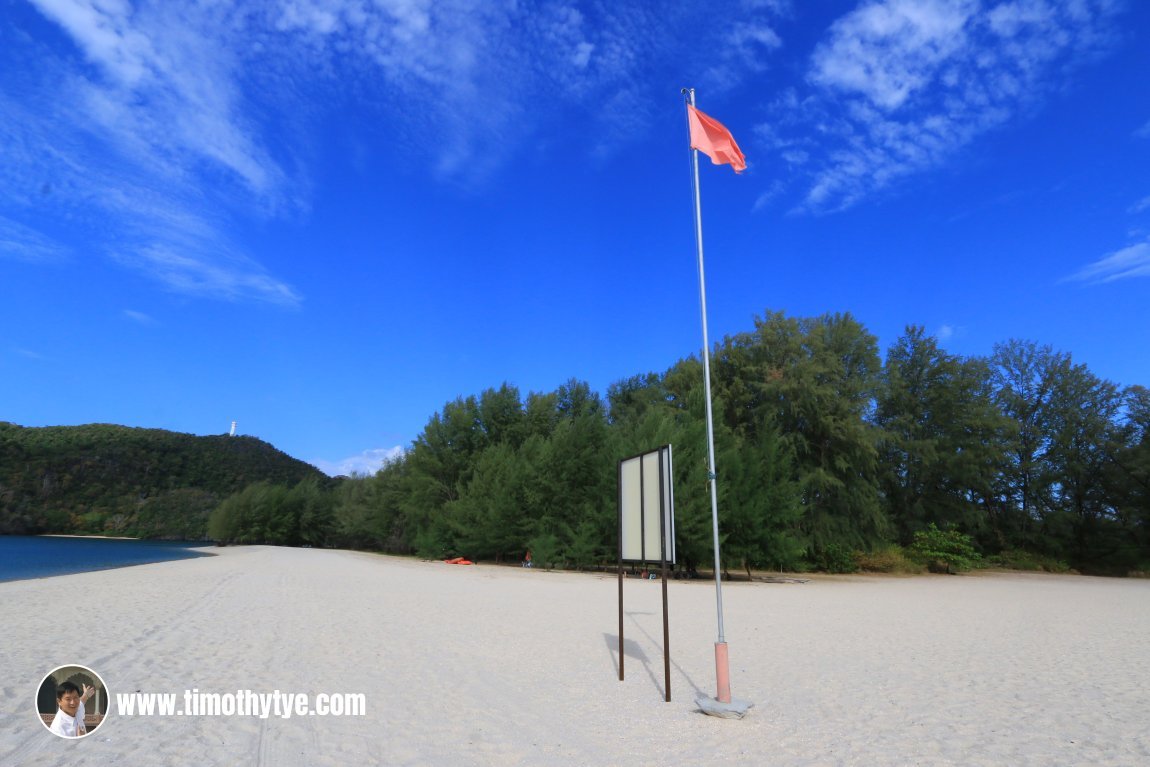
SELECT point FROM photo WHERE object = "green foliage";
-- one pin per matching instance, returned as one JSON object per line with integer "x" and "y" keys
{"x": 834, "y": 558}
{"x": 1061, "y": 490}
{"x": 1015, "y": 559}
{"x": 430, "y": 544}
{"x": 821, "y": 453}
{"x": 107, "y": 479}
{"x": 887, "y": 559}
{"x": 943, "y": 439}
{"x": 490, "y": 519}
{"x": 814, "y": 380}
{"x": 760, "y": 499}
{"x": 586, "y": 546}
{"x": 545, "y": 550}
{"x": 179, "y": 514}
{"x": 946, "y": 551}
{"x": 312, "y": 506}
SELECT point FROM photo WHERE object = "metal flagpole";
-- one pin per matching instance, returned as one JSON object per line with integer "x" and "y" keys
{"x": 722, "y": 666}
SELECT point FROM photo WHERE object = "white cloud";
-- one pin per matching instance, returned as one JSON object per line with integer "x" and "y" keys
{"x": 139, "y": 317}
{"x": 887, "y": 51}
{"x": 765, "y": 198}
{"x": 23, "y": 243}
{"x": 164, "y": 127}
{"x": 945, "y": 332}
{"x": 146, "y": 155}
{"x": 365, "y": 464}
{"x": 1141, "y": 205}
{"x": 175, "y": 83}
{"x": 483, "y": 78}
{"x": 897, "y": 87}
{"x": 1144, "y": 131}
{"x": 582, "y": 55}
{"x": 169, "y": 86}
{"x": 184, "y": 270}
{"x": 103, "y": 30}
{"x": 748, "y": 41}
{"x": 1132, "y": 261}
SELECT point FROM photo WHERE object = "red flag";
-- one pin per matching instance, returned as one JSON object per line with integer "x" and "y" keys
{"x": 711, "y": 137}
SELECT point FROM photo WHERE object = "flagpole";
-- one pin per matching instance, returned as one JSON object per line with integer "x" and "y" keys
{"x": 722, "y": 664}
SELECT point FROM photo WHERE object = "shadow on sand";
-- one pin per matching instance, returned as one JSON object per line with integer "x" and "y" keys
{"x": 632, "y": 649}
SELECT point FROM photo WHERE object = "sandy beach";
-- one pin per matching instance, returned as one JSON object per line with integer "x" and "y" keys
{"x": 487, "y": 665}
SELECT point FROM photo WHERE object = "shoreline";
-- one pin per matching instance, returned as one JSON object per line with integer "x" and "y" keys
{"x": 36, "y": 557}
{"x": 93, "y": 536}
{"x": 706, "y": 576}
{"x": 97, "y": 537}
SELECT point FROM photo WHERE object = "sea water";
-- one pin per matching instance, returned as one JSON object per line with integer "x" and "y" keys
{"x": 41, "y": 556}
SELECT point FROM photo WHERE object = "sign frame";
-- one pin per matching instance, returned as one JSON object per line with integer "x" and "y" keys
{"x": 647, "y": 530}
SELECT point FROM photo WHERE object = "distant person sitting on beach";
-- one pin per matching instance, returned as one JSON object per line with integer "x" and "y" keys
{"x": 69, "y": 719}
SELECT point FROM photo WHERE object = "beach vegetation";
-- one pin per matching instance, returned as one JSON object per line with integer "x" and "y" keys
{"x": 829, "y": 456}
{"x": 835, "y": 558}
{"x": 944, "y": 551}
{"x": 1015, "y": 559}
{"x": 585, "y": 546}
{"x": 942, "y": 439}
{"x": 812, "y": 379}
{"x": 887, "y": 559}
{"x": 546, "y": 551}
{"x": 103, "y": 479}
{"x": 430, "y": 544}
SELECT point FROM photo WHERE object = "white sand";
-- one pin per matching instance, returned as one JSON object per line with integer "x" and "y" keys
{"x": 498, "y": 666}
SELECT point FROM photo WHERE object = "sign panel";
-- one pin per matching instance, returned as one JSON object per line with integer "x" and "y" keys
{"x": 647, "y": 507}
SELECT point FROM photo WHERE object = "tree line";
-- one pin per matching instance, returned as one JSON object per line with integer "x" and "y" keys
{"x": 824, "y": 451}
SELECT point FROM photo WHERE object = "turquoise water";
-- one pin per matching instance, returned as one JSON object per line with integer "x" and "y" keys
{"x": 24, "y": 556}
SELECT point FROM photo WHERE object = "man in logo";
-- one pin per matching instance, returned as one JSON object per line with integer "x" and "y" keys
{"x": 69, "y": 719}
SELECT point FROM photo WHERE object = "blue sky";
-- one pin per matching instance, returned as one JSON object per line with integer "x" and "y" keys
{"x": 324, "y": 219}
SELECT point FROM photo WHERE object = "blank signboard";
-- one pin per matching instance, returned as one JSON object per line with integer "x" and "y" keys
{"x": 646, "y": 498}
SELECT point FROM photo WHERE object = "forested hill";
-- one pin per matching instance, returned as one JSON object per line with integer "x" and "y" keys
{"x": 116, "y": 480}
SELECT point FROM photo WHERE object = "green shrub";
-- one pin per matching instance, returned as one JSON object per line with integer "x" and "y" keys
{"x": 891, "y": 559}
{"x": 834, "y": 558}
{"x": 429, "y": 544}
{"x": 545, "y": 550}
{"x": 944, "y": 551}
{"x": 1017, "y": 559}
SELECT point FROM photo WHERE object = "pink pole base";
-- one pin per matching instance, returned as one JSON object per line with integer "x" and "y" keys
{"x": 722, "y": 673}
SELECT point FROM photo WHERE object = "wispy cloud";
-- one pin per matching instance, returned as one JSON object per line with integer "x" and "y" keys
{"x": 1141, "y": 205}
{"x": 145, "y": 153}
{"x": 23, "y": 243}
{"x": 233, "y": 277}
{"x": 166, "y": 92}
{"x": 139, "y": 317}
{"x": 888, "y": 51}
{"x": 168, "y": 126}
{"x": 366, "y": 463}
{"x": 900, "y": 86}
{"x": 1132, "y": 261}
{"x": 480, "y": 80}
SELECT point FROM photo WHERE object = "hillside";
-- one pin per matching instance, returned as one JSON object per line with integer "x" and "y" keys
{"x": 116, "y": 480}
